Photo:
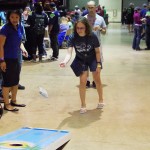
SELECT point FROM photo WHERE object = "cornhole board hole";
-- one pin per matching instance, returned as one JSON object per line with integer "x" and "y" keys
{"x": 34, "y": 139}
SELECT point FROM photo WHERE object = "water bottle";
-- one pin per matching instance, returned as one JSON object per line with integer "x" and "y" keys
{"x": 43, "y": 92}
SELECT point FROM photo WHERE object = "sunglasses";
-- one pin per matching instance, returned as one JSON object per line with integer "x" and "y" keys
{"x": 80, "y": 28}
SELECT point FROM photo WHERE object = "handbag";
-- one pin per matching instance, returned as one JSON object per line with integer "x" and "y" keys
{"x": 77, "y": 66}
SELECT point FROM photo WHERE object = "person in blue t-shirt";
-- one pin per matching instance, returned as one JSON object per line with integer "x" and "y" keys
{"x": 143, "y": 13}
{"x": 10, "y": 44}
{"x": 147, "y": 31}
{"x": 84, "y": 11}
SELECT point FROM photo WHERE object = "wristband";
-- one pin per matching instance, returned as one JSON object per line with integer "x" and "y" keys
{"x": 99, "y": 66}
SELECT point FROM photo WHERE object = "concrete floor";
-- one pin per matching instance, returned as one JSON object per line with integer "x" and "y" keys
{"x": 124, "y": 123}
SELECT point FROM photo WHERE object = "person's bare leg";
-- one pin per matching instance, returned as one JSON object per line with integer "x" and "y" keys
{"x": 5, "y": 91}
{"x": 88, "y": 74}
{"x": 82, "y": 88}
{"x": 14, "y": 90}
{"x": 129, "y": 28}
{"x": 97, "y": 79}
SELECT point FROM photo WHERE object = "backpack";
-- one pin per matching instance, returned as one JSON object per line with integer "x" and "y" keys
{"x": 39, "y": 27}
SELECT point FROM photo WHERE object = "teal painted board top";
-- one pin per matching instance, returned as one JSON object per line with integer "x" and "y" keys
{"x": 31, "y": 138}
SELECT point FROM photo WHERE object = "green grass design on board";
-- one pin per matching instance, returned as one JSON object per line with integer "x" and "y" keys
{"x": 25, "y": 148}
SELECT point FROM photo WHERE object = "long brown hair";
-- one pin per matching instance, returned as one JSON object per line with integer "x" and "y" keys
{"x": 88, "y": 29}
{"x": 18, "y": 12}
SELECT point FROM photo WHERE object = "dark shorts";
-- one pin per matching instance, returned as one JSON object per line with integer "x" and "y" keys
{"x": 92, "y": 66}
{"x": 11, "y": 76}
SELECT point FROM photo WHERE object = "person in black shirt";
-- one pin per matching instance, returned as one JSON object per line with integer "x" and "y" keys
{"x": 129, "y": 16}
{"x": 53, "y": 29}
{"x": 87, "y": 49}
{"x": 38, "y": 21}
{"x": 123, "y": 17}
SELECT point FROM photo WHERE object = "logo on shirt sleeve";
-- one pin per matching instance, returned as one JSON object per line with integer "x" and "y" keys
{"x": 52, "y": 16}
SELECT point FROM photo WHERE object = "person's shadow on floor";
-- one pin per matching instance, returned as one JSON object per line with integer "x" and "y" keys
{"x": 77, "y": 120}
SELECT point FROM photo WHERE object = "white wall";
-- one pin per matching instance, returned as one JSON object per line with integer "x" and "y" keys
{"x": 113, "y": 8}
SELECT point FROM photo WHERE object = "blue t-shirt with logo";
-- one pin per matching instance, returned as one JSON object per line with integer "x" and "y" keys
{"x": 84, "y": 45}
{"x": 13, "y": 40}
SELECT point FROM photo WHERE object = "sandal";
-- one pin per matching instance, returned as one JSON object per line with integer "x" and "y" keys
{"x": 14, "y": 109}
{"x": 13, "y": 103}
{"x": 100, "y": 105}
{"x": 83, "y": 110}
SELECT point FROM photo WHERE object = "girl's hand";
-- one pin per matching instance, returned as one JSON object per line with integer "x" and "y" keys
{"x": 62, "y": 64}
{"x": 96, "y": 28}
{"x": 25, "y": 53}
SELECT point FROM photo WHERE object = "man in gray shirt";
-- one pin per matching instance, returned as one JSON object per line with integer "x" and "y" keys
{"x": 98, "y": 25}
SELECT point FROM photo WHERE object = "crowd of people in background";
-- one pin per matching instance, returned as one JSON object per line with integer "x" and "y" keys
{"x": 56, "y": 16}
{"x": 41, "y": 18}
{"x": 137, "y": 20}
{"x": 44, "y": 17}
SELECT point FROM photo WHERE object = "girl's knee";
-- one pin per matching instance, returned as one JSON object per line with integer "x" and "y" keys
{"x": 82, "y": 83}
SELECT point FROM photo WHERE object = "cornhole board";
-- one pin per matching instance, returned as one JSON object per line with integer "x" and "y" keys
{"x": 34, "y": 139}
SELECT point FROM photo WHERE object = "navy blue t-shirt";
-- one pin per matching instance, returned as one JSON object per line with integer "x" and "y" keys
{"x": 54, "y": 20}
{"x": 85, "y": 12}
{"x": 84, "y": 45}
{"x": 13, "y": 40}
{"x": 143, "y": 12}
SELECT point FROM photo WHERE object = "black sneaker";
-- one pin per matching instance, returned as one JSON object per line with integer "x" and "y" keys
{"x": 53, "y": 58}
{"x": 138, "y": 49}
{"x": 147, "y": 48}
{"x": 88, "y": 84}
{"x": 21, "y": 87}
{"x": 93, "y": 84}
